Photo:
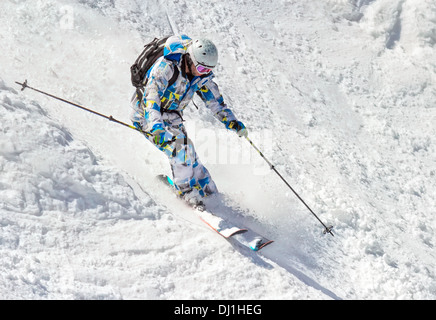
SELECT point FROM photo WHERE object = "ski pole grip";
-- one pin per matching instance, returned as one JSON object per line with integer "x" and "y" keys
{"x": 23, "y": 85}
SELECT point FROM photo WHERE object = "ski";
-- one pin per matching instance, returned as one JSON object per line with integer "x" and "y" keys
{"x": 218, "y": 224}
{"x": 252, "y": 240}
{"x": 243, "y": 236}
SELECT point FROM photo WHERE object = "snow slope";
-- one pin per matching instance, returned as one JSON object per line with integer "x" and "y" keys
{"x": 340, "y": 95}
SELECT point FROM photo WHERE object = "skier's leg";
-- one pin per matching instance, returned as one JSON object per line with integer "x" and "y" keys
{"x": 188, "y": 171}
{"x": 204, "y": 179}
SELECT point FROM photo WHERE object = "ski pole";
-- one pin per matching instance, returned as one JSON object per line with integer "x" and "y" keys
{"x": 326, "y": 229}
{"x": 110, "y": 118}
{"x": 24, "y": 85}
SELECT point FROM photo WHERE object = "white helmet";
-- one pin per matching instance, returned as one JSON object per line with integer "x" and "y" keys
{"x": 204, "y": 52}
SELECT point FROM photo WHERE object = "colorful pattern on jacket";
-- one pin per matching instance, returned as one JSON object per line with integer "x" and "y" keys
{"x": 159, "y": 97}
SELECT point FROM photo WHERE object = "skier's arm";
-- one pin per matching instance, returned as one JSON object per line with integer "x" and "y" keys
{"x": 158, "y": 78}
{"x": 214, "y": 101}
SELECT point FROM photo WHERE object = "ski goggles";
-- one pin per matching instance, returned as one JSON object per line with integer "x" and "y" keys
{"x": 202, "y": 70}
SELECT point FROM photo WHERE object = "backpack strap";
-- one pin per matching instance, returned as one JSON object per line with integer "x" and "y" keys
{"x": 174, "y": 77}
{"x": 170, "y": 83}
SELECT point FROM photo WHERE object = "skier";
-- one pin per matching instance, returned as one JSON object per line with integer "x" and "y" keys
{"x": 159, "y": 112}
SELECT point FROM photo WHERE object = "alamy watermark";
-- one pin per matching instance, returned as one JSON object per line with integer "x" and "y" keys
{"x": 220, "y": 146}
{"x": 66, "y": 21}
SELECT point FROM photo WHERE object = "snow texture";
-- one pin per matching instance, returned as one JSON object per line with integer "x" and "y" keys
{"x": 340, "y": 96}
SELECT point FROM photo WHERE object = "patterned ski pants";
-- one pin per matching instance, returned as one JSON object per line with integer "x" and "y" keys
{"x": 188, "y": 172}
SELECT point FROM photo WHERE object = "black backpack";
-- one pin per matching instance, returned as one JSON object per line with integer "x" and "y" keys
{"x": 152, "y": 51}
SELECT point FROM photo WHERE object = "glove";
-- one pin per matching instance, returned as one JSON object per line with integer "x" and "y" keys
{"x": 160, "y": 135}
{"x": 239, "y": 127}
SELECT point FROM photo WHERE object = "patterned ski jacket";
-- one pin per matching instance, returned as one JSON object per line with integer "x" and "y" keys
{"x": 159, "y": 98}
